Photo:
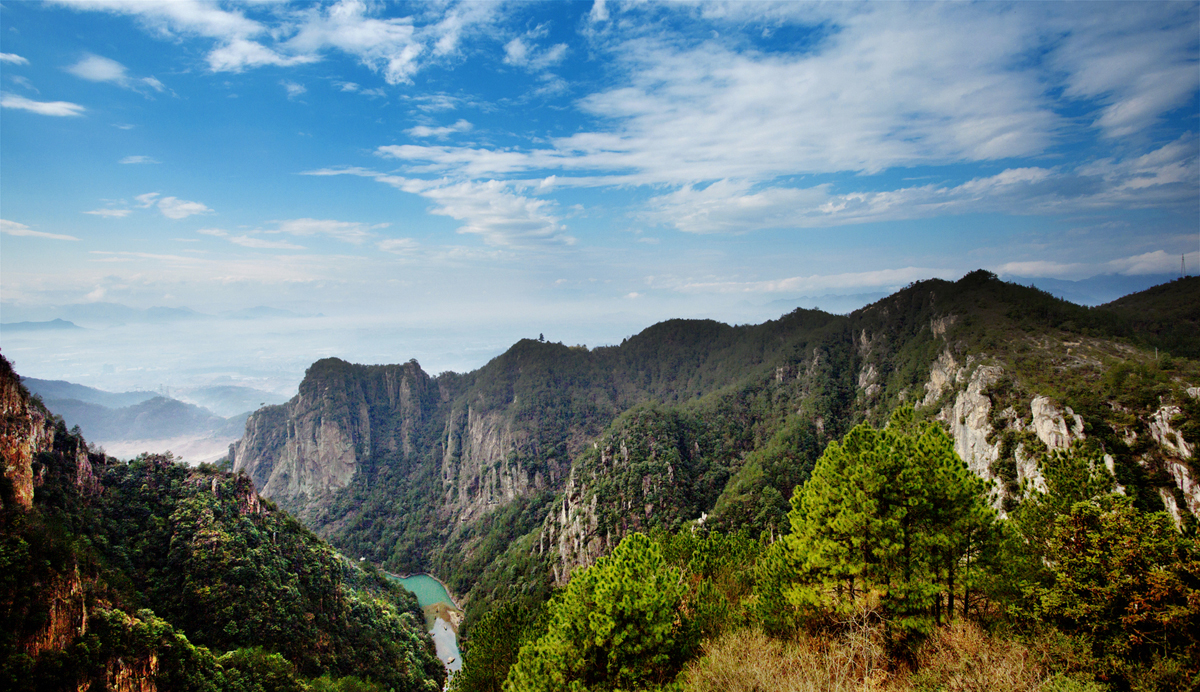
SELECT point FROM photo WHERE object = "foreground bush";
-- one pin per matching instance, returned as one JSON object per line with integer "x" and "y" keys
{"x": 960, "y": 657}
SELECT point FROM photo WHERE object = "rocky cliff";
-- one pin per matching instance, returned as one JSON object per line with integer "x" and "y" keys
{"x": 1011, "y": 372}
{"x": 303, "y": 452}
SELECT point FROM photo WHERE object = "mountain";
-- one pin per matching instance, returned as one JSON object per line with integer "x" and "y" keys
{"x": 61, "y": 389}
{"x": 1095, "y": 290}
{"x": 504, "y": 479}
{"x": 52, "y": 325}
{"x": 152, "y": 575}
{"x": 228, "y": 400}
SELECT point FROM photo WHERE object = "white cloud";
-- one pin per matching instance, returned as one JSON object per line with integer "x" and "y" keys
{"x": 111, "y": 213}
{"x": 57, "y": 108}
{"x": 1157, "y": 262}
{"x": 147, "y": 200}
{"x": 1036, "y": 269}
{"x": 599, "y": 12}
{"x": 240, "y": 53}
{"x": 261, "y": 244}
{"x": 96, "y": 68}
{"x": 293, "y": 89}
{"x": 384, "y": 45}
{"x": 138, "y": 159}
{"x": 174, "y": 208}
{"x": 439, "y": 132}
{"x": 19, "y": 229}
{"x": 1139, "y": 61}
{"x": 13, "y": 59}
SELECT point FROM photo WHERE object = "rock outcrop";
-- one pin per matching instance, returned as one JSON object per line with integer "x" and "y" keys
{"x": 302, "y": 452}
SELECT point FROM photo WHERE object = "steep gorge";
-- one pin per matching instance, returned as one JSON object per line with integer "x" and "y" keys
{"x": 657, "y": 431}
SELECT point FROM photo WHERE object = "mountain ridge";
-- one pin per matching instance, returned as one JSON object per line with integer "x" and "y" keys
{"x": 1010, "y": 370}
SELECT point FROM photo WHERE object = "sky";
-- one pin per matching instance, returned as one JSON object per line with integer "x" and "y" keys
{"x": 438, "y": 179}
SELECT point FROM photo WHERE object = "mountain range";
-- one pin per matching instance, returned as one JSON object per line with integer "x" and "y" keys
{"x": 505, "y": 479}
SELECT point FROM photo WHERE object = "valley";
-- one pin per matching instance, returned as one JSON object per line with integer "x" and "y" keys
{"x": 512, "y": 481}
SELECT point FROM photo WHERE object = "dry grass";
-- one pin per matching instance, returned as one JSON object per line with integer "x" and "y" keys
{"x": 958, "y": 658}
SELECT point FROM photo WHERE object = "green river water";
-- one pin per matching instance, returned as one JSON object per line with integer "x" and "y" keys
{"x": 430, "y": 591}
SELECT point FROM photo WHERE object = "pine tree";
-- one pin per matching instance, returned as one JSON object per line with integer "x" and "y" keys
{"x": 891, "y": 518}
{"x": 618, "y": 625}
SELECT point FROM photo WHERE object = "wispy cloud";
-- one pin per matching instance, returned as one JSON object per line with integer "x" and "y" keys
{"x": 19, "y": 229}
{"x": 110, "y": 213}
{"x": 394, "y": 47}
{"x": 884, "y": 278}
{"x": 263, "y": 244}
{"x": 138, "y": 159}
{"x": 55, "y": 108}
{"x": 346, "y": 231}
{"x": 490, "y": 209}
{"x": 13, "y": 59}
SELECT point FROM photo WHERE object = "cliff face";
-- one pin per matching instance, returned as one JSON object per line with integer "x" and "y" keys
{"x": 302, "y": 452}
{"x": 25, "y": 429}
{"x": 58, "y": 594}
{"x": 1007, "y": 369}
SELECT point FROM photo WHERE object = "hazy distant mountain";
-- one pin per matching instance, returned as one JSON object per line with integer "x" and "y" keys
{"x": 59, "y": 389}
{"x": 158, "y": 417}
{"x": 831, "y": 303}
{"x": 104, "y": 314}
{"x": 52, "y": 325}
{"x": 260, "y": 312}
{"x": 230, "y": 400}
{"x": 1095, "y": 290}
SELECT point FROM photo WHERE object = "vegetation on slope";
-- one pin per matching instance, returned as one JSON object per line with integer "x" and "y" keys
{"x": 737, "y": 416}
{"x": 155, "y": 571}
{"x": 896, "y": 575}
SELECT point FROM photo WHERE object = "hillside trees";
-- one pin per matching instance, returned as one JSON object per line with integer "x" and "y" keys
{"x": 888, "y": 515}
{"x": 1096, "y": 566}
{"x": 618, "y": 626}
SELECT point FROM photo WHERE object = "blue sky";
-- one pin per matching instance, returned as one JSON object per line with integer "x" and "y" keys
{"x": 495, "y": 170}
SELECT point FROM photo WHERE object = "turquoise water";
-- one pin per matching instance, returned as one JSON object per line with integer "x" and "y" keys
{"x": 430, "y": 591}
{"x": 427, "y": 589}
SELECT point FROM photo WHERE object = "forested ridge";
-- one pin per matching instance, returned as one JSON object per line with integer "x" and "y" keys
{"x": 150, "y": 574}
{"x": 489, "y": 478}
{"x": 535, "y": 467}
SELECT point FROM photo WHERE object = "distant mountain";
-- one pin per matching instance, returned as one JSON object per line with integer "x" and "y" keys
{"x": 52, "y": 325}
{"x": 831, "y": 303}
{"x": 158, "y": 417}
{"x": 60, "y": 389}
{"x": 107, "y": 314}
{"x": 260, "y": 312}
{"x": 229, "y": 400}
{"x": 1095, "y": 290}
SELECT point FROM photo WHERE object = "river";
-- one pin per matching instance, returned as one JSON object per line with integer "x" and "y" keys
{"x": 442, "y": 616}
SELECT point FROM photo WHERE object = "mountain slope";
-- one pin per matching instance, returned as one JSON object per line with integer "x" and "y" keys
{"x": 544, "y": 458}
{"x": 149, "y": 574}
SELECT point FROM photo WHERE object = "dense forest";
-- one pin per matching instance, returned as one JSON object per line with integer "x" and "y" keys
{"x": 894, "y": 573}
{"x": 149, "y": 573}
